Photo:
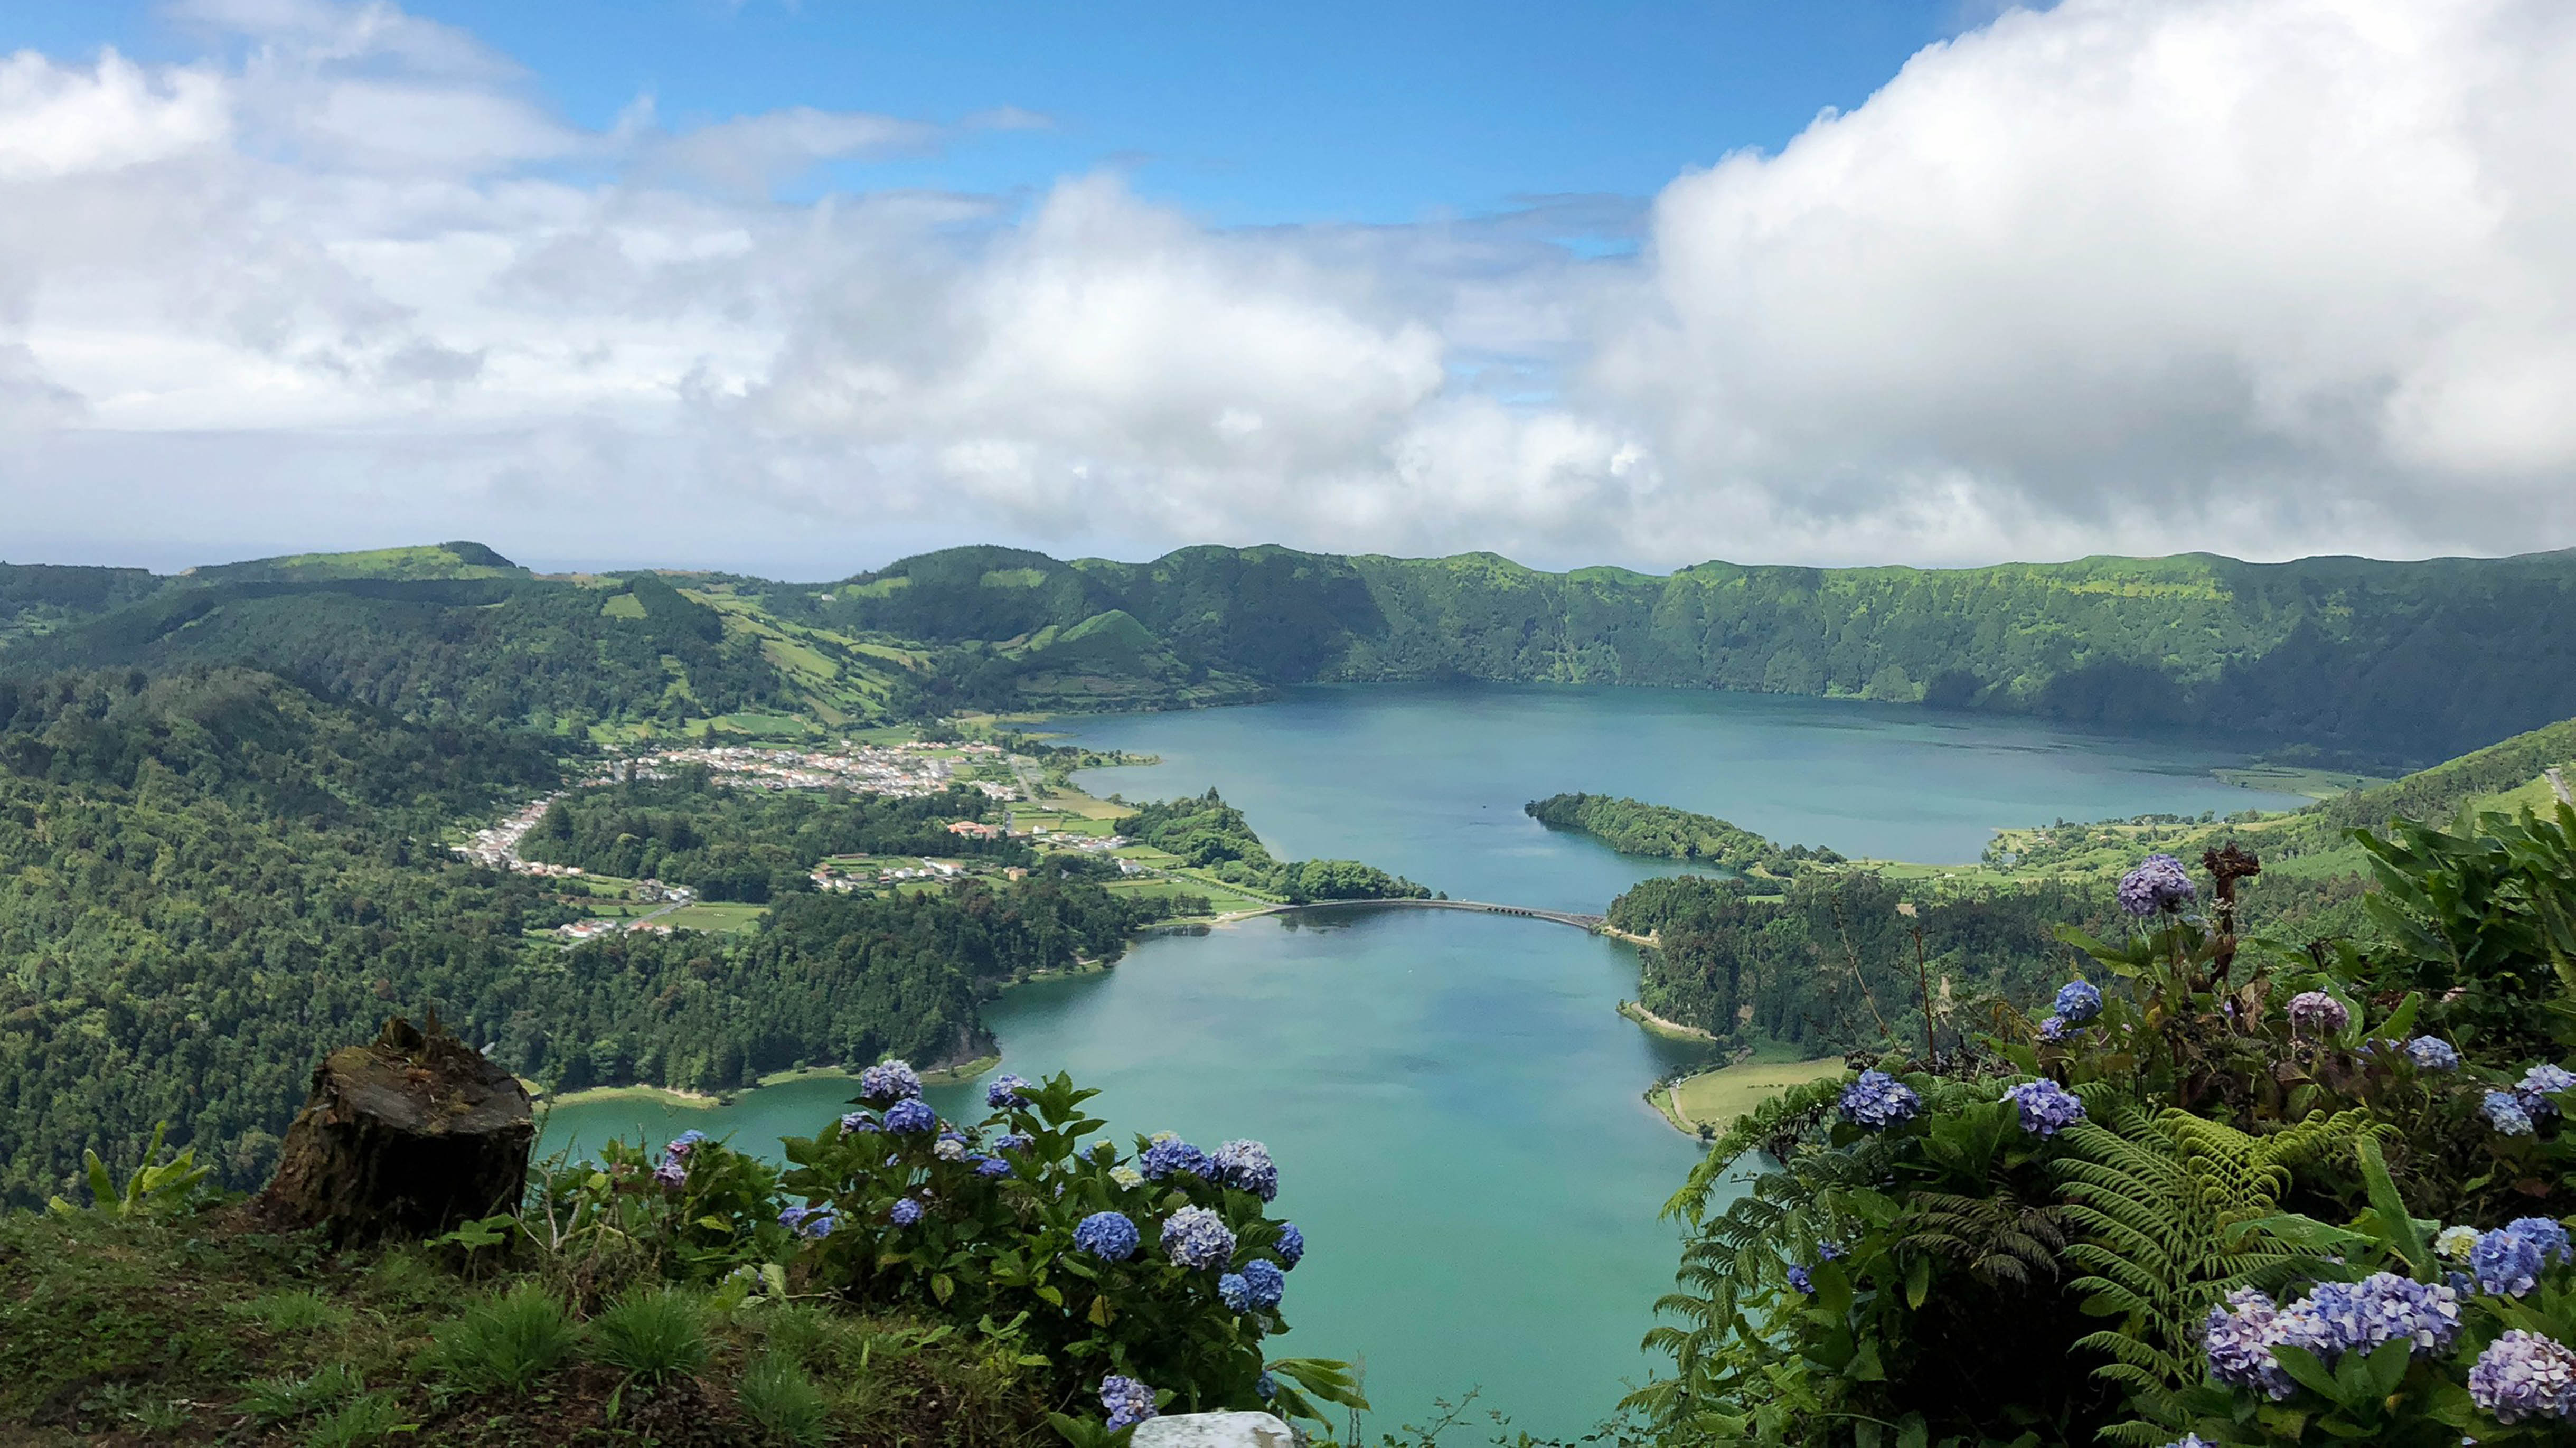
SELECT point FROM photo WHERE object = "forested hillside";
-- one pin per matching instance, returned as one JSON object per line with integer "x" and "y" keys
{"x": 2341, "y": 657}
{"x": 210, "y": 877}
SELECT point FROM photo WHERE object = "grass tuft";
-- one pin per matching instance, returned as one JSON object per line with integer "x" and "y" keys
{"x": 777, "y": 1395}
{"x": 507, "y": 1342}
{"x": 278, "y": 1400}
{"x": 653, "y": 1334}
{"x": 367, "y": 1418}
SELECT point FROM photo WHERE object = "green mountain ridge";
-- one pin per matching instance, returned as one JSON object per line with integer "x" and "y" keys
{"x": 2325, "y": 658}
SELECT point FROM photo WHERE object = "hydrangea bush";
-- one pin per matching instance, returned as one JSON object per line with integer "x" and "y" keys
{"x": 1138, "y": 1281}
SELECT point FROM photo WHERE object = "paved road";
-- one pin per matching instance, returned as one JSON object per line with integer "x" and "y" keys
{"x": 1561, "y": 917}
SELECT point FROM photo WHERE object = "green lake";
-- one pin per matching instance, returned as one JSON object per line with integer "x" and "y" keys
{"x": 1453, "y": 1101}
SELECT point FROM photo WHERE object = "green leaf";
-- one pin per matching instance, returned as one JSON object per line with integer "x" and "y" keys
{"x": 1918, "y": 1282}
{"x": 2403, "y": 1233}
{"x": 2304, "y": 1369}
{"x": 2387, "y": 1366}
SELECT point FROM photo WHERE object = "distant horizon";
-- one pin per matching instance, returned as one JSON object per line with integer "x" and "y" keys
{"x": 561, "y": 571}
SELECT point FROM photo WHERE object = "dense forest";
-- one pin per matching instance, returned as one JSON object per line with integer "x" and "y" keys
{"x": 1206, "y": 831}
{"x": 2342, "y": 658}
{"x": 734, "y": 844}
{"x": 209, "y": 878}
{"x": 1633, "y": 827}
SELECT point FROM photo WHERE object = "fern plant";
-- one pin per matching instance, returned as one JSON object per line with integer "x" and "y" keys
{"x": 2170, "y": 1211}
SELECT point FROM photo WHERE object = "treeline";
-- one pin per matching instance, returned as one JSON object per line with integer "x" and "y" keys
{"x": 506, "y": 652}
{"x": 1207, "y": 832}
{"x": 209, "y": 879}
{"x": 2405, "y": 661}
{"x": 1633, "y": 827}
{"x": 1839, "y": 959}
{"x": 750, "y": 844}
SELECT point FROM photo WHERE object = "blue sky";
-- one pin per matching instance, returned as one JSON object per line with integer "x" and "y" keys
{"x": 795, "y": 289}
{"x": 1244, "y": 114}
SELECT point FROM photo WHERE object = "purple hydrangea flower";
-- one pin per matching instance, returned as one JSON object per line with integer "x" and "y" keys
{"x": 911, "y": 1116}
{"x": 1129, "y": 1402}
{"x": 1292, "y": 1245}
{"x": 1004, "y": 1093}
{"x": 1246, "y": 1166}
{"x": 2159, "y": 885}
{"x": 1165, "y": 1155}
{"x": 682, "y": 1143}
{"x": 2046, "y": 1107}
{"x": 2524, "y": 1375}
{"x": 2503, "y": 1111}
{"x": 672, "y": 1172}
{"x": 2539, "y": 1084}
{"x": 2317, "y": 1013}
{"x": 2385, "y": 1307}
{"x": 857, "y": 1122}
{"x": 888, "y": 1082}
{"x": 2237, "y": 1342}
{"x": 2078, "y": 1001}
{"x": 2054, "y": 1028}
{"x": 904, "y": 1212}
{"x": 2191, "y": 1440}
{"x": 1108, "y": 1236}
{"x": 2547, "y": 1235}
{"x": 2506, "y": 1263}
{"x": 1878, "y": 1101}
{"x": 1197, "y": 1237}
{"x": 1799, "y": 1279}
{"x": 2432, "y": 1053}
{"x": 1267, "y": 1283}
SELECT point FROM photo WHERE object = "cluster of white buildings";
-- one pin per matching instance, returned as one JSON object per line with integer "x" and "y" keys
{"x": 826, "y": 877}
{"x": 903, "y": 770}
{"x": 498, "y": 846}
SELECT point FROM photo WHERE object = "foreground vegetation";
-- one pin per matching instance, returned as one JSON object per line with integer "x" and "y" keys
{"x": 2230, "y": 1190}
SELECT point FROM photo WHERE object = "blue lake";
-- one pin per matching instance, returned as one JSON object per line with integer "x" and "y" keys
{"x": 1454, "y": 1103}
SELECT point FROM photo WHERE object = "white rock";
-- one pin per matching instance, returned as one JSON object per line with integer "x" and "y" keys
{"x": 1214, "y": 1430}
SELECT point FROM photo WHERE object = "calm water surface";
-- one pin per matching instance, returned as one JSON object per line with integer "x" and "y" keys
{"x": 1453, "y": 1100}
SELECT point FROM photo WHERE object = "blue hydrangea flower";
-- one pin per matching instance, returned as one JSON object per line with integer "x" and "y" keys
{"x": 888, "y": 1082}
{"x": 2547, "y": 1235}
{"x": 1004, "y": 1093}
{"x": 2524, "y": 1375}
{"x": 1829, "y": 1250}
{"x": 1267, "y": 1387}
{"x": 912, "y": 1117}
{"x": 2078, "y": 1001}
{"x": 2191, "y": 1440}
{"x": 1246, "y": 1166}
{"x": 1265, "y": 1281}
{"x": 1128, "y": 1401}
{"x": 2317, "y": 1013}
{"x": 1292, "y": 1245}
{"x": 1197, "y": 1237}
{"x": 904, "y": 1212}
{"x": 1799, "y": 1279}
{"x": 793, "y": 1217}
{"x": 951, "y": 1147}
{"x": 991, "y": 1166}
{"x": 2159, "y": 885}
{"x": 2539, "y": 1084}
{"x": 1011, "y": 1141}
{"x": 2046, "y": 1107}
{"x": 2053, "y": 1028}
{"x": 818, "y": 1223}
{"x": 1878, "y": 1101}
{"x": 2432, "y": 1053}
{"x": 1234, "y": 1292}
{"x": 2506, "y": 1263}
{"x": 2503, "y": 1111}
{"x": 1108, "y": 1236}
{"x": 2385, "y": 1307}
{"x": 855, "y": 1122}
{"x": 1165, "y": 1155}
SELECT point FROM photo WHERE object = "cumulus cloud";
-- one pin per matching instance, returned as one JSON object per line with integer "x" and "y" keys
{"x": 2265, "y": 276}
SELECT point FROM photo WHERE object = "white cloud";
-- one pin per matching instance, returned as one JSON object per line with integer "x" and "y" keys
{"x": 2265, "y": 276}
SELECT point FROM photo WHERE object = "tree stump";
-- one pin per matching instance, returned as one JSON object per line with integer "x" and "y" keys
{"x": 409, "y": 1136}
